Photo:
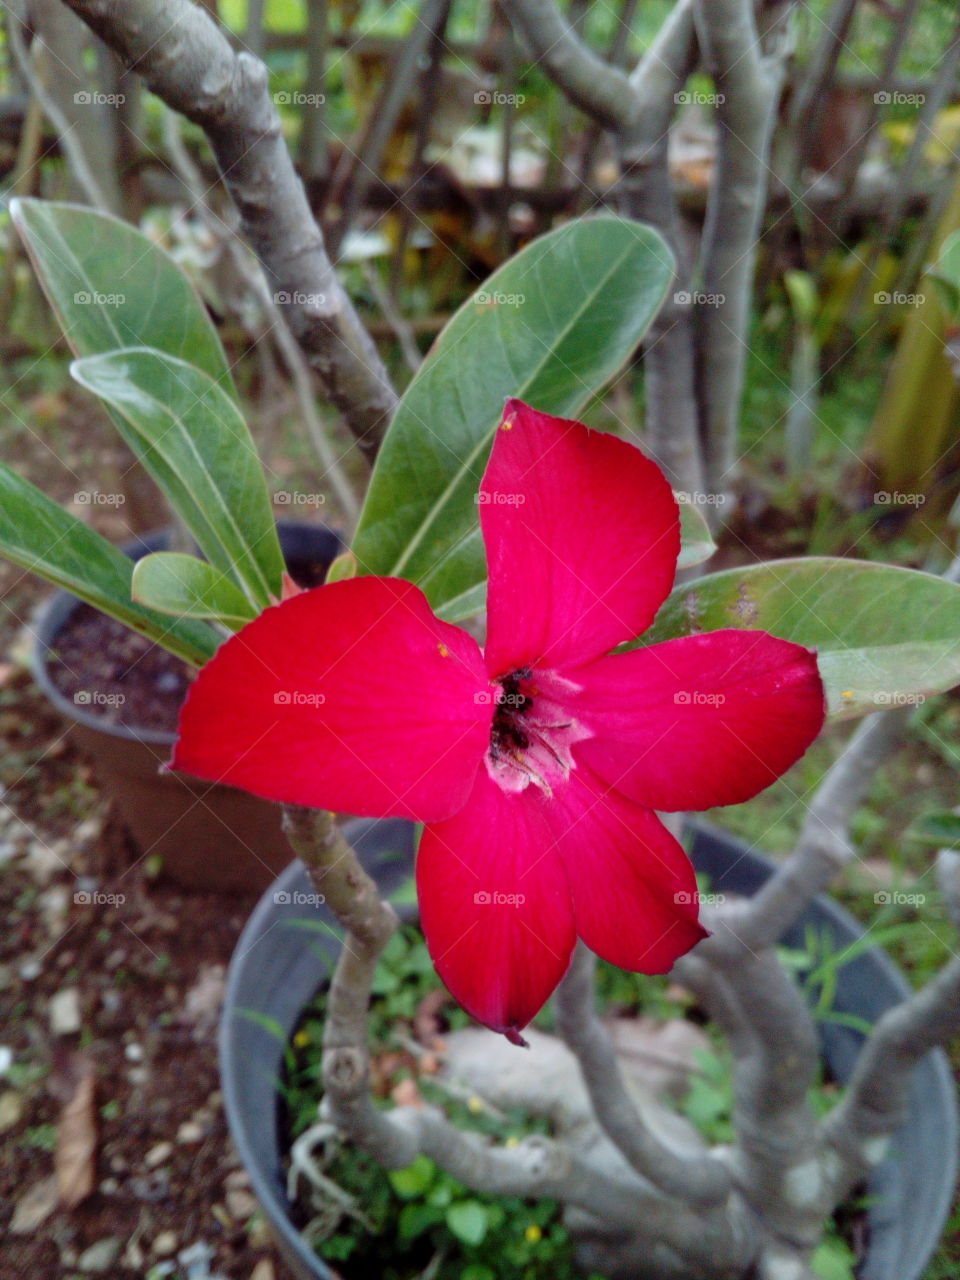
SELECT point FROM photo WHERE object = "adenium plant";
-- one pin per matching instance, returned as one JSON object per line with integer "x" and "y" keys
{"x": 535, "y": 763}
{"x": 537, "y": 756}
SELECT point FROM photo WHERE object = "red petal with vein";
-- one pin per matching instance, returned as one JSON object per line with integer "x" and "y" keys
{"x": 582, "y": 537}
{"x": 495, "y": 906}
{"x": 634, "y": 889}
{"x": 352, "y": 697}
{"x": 702, "y": 720}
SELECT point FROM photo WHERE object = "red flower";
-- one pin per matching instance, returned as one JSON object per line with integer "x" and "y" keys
{"x": 537, "y": 763}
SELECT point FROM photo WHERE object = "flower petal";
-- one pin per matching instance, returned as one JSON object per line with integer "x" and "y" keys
{"x": 634, "y": 890}
{"x": 582, "y": 537}
{"x": 702, "y": 720}
{"x": 352, "y": 697}
{"x": 495, "y": 906}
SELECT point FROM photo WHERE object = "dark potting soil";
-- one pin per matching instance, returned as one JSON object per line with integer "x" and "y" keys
{"x": 121, "y": 677}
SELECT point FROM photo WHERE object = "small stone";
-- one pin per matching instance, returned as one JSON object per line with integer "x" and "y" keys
{"x": 165, "y": 1244}
{"x": 11, "y": 1109}
{"x": 167, "y": 682}
{"x": 100, "y": 1256}
{"x": 109, "y": 1186}
{"x": 190, "y": 1131}
{"x": 263, "y": 1270}
{"x": 133, "y": 1256}
{"x": 89, "y": 829}
{"x": 158, "y": 1154}
{"x": 133, "y": 1052}
{"x": 6, "y": 1059}
{"x": 64, "y": 1012}
{"x": 241, "y": 1204}
{"x": 115, "y": 959}
{"x": 138, "y": 1076}
{"x": 30, "y": 969}
{"x": 34, "y": 1207}
{"x": 239, "y": 1178}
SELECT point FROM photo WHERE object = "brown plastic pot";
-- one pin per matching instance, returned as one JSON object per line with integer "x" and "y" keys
{"x": 209, "y": 837}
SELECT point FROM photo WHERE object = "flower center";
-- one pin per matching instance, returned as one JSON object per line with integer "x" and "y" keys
{"x": 533, "y": 731}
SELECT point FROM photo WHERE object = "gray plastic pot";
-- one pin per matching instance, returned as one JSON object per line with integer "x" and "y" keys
{"x": 211, "y": 838}
{"x": 278, "y": 967}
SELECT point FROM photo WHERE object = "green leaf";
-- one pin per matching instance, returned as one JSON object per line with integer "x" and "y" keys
{"x": 945, "y": 273}
{"x": 416, "y": 1218}
{"x": 696, "y": 540}
{"x": 885, "y": 636}
{"x": 941, "y": 829}
{"x": 833, "y": 1259}
{"x": 551, "y": 327}
{"x": 111, "y": 286}
{"x": 414, "y": 1180}
{"x": 193, "y": 440}
{"x": 467, "y": 1219}
{"x": 192, "y": 588}
{"x": 40, "y": 536}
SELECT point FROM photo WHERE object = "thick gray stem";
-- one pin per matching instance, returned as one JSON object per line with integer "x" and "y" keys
{"x": 695, "y": 1179}
{"x": 748, "y": 89}
{"x": 188, "y": 62}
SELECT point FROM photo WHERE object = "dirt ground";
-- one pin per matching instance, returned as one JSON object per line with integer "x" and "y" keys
{"x": 114, "y": 1152}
